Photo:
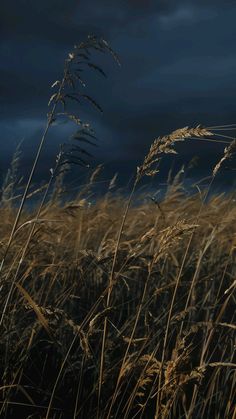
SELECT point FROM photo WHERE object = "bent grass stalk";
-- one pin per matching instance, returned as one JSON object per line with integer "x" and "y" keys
{"x": 15, "y": 225}
{"x": 227, "y": 154}
{"x": 110, "y": 287}
{"x": 55, "y": 99}
{"x": 162, "y": 145}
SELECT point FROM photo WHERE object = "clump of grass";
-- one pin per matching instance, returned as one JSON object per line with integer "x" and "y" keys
{"x": 228, "y": 153}
{"x": 164, "y": 145}
{"x": 116, "y": 310}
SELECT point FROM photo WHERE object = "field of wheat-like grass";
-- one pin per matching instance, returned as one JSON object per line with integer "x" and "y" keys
{"x": 53, "y": 329}
{"x": 119, "y": 306}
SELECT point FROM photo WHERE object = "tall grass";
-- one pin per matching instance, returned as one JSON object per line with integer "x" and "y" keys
{"x": 114, "y": 309}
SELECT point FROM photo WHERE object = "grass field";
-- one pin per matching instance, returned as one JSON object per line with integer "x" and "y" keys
{"x": 118, "y": 309}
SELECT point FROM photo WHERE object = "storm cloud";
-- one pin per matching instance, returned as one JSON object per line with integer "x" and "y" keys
{"x": 178, "y": 68}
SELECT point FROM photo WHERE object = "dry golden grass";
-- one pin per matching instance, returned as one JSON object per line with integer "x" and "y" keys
{"x": 116, "y": 309}
{"x": 51, "y": 336}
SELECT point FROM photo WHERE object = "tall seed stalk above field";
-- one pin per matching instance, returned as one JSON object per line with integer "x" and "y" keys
{"x": 66, "y": 91}
{"x": 160, "y": 146}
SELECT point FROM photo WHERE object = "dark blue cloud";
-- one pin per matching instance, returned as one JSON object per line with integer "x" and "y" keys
{"x": 178, "y": 68}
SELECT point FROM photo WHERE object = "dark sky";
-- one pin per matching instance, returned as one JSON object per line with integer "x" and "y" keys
{"x": 178, "y": 68}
